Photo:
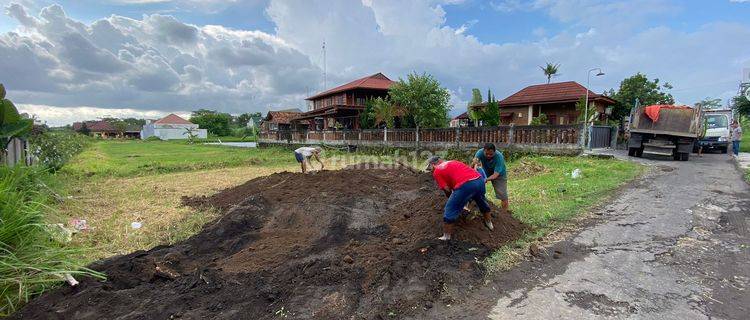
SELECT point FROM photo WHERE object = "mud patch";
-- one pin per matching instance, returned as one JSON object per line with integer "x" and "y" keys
{"x": 599, "y": 304}
{"x": 354, "y": 244}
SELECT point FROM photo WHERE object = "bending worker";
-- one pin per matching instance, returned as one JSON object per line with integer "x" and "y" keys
{"x": 493, "y": 163}
{"x": 461, "y": 184}
{"x": 303, "y": 155}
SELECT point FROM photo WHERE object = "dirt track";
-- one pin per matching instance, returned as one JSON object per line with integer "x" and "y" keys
{"x": 349, "y": 244}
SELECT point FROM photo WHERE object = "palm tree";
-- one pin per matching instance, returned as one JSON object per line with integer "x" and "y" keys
{"x": 386, "y": 111}
{"x": 550, "y": 70}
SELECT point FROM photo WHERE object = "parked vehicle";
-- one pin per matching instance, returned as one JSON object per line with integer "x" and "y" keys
{"x": 664, "y": 130}
{"x": 716, "y": 130}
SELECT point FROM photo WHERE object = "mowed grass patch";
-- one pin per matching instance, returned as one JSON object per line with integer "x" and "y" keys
{"x": 546, "y": 201}
{"x": 137, "y": 158}
{"x": 110, "y": 206}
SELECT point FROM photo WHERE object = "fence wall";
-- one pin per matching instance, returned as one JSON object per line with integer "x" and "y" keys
{"x": 553, "y": 136}
{"x": 16, "y": 152}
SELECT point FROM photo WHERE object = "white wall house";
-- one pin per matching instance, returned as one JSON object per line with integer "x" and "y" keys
{"x": 171, "y": 127}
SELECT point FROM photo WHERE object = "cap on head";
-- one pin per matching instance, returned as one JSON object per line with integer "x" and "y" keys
{"x": 432, "y": 161}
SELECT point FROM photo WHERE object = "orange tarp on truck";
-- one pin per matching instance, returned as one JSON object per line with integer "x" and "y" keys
{"x": 652, "y": 111}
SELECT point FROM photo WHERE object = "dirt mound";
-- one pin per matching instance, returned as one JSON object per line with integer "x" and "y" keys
{"x": 348, "y": 244}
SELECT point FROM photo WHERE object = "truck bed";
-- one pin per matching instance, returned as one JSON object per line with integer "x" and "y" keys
{"x": 675, "y": 122}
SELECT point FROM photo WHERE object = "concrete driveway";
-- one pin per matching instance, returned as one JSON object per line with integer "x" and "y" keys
{"x": 673, "y": 245}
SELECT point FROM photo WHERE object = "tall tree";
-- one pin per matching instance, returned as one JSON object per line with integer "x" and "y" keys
{"x": 242, "y": 119}
{"x": 741, "y": 105}
{"x": 367, "y": 117}
{"x": 550, "y": 70}
{"x": 491, "y": 112}
{"x": 385, "y": 111}
{"x": 216, "y": 123}
{"x": 423, "y": 99}
{"x": 638, "y": 87}
{"x": 709, "y": 103}
{"x": 476, "y": 98}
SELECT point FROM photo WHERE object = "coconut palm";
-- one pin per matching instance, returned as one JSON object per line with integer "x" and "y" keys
{"x": 386, "y": 111}
{"x": 550, "y": 70}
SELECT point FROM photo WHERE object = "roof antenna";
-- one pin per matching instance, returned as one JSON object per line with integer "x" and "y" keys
{"x": 325, "y": 80}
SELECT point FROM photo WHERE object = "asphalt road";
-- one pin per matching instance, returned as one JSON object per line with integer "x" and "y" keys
{"x": 672, "y": 245}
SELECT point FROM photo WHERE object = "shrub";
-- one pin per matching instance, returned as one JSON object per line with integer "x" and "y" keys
{"x": 31, "y": 260}
{"x": 153, "y": 138}
{"x": 55, "y": 148}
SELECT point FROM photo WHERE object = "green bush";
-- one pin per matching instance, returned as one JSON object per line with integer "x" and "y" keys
{"x": 55, "y": 148}
{"x": 32, "y": 260}
{"x": 152, "y": 138}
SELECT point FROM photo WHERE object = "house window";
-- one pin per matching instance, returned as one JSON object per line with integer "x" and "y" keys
{"x": 360, "y": 101}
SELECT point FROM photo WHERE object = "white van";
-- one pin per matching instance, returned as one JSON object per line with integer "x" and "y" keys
{"x": 717, "y": 130}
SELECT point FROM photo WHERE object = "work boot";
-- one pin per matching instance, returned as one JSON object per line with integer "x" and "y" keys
{"x": 488, "y": 224}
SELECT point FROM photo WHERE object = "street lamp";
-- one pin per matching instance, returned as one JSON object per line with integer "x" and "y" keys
{"x": 586, "y": 112}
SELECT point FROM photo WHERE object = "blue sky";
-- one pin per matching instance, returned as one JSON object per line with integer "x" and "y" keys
{"x": 139, "y": 57}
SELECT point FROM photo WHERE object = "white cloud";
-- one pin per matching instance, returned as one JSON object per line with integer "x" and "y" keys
{"x": 161, "y": 63}
{"x": 155, "y": 63}
{"x": 59, "y": 116}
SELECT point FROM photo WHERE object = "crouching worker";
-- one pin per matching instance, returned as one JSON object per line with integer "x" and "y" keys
{"x": 303, "y": 155}
{"x": 461, "y": 184}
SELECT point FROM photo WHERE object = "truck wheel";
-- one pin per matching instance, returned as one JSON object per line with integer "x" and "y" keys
{"x": 639, "y": 152}
{"x": 724, "y": 149}
{"x": 676, "y": 156}
{"x": 631, "y": 151}
{"x": 684, "y": 156}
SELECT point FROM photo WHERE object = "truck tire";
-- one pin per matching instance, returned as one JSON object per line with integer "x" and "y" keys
{"x": 724, "y": 149}
{"x": 684, "y": 156}
{"x": 639, "y": 152}
{"x": 631, "y": 151}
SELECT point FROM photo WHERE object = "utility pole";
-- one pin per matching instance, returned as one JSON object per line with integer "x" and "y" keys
{"x": 325, "y": 80}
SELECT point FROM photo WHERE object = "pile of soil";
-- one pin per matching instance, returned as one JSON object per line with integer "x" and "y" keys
{"x": 347, "y": 244}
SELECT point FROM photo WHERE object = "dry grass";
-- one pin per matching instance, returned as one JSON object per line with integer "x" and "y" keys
{"x": 110, "y": 205}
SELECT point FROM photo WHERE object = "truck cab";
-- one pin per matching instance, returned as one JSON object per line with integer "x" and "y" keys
{"x": 716, "y": 130}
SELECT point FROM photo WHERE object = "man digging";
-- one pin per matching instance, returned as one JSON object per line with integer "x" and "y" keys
{"x": 303, "y": 155}
{"x": 493, "y": 164}
{"x": 461, "y": 184}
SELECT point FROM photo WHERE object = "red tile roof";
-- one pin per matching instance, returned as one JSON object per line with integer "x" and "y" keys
{"x": 282, "y": 117}
{"x": 464, "y": 115}
{"x": 376, "y": 81}
{"x": 569, "y": 91}
{"x": 172, "y": 119}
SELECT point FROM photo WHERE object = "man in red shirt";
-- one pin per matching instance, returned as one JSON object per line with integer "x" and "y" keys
{"x": 461, "y": 184}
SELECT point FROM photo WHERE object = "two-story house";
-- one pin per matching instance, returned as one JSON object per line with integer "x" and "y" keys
{"x": 341, "y": 106}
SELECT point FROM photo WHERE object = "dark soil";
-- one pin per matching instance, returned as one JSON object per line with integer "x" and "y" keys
{"x": 348, "y": 244}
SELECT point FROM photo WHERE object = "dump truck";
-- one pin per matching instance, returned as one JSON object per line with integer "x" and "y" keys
{"x": 716, "y": 130}
{"x": 664, "y": 130}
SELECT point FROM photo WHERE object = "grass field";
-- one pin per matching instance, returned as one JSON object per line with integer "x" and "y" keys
{"x": 115, "y": 183}
{"x": 139, "y": 158}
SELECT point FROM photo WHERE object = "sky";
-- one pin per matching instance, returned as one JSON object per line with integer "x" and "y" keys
{"x": 66, "y": 61}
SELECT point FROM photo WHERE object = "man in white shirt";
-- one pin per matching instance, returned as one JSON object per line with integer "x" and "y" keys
{"x": 303, "y": 155}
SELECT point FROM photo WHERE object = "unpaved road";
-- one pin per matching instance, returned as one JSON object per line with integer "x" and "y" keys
{"x": 673, "y": 245}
